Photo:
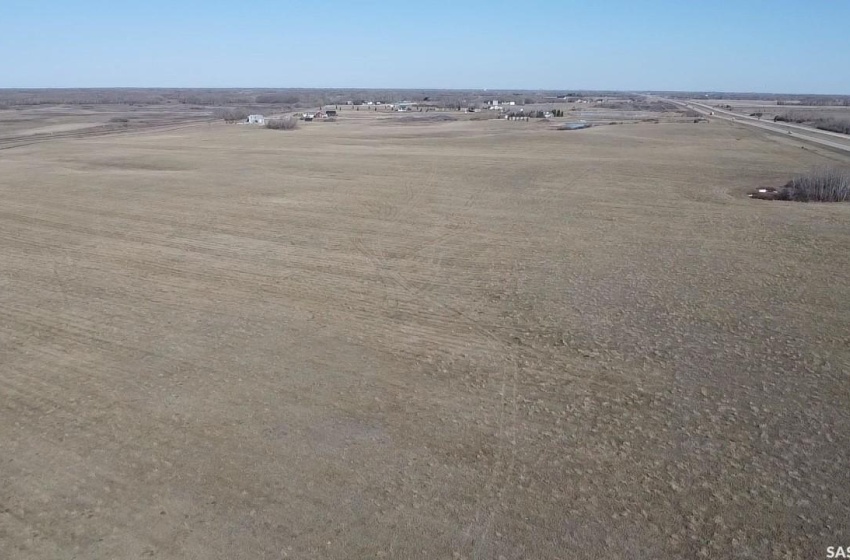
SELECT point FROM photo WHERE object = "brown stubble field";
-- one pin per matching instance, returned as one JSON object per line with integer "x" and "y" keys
{"x": 452, "y": 340}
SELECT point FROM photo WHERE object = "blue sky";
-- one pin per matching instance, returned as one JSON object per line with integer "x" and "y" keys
{"x": 745, "y": 45}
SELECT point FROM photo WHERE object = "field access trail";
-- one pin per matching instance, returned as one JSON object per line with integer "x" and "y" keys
{"x": 373, "y": 338}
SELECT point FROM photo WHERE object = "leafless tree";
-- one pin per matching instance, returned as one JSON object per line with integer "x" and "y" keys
{"x": 286, "y": 123}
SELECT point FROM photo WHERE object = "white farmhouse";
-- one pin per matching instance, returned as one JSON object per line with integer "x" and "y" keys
{"x": 256, "y": 119}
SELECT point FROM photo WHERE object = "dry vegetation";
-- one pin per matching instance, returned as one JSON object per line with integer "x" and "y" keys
{"x": 831, "y": 123}
{"x": 255, "y": 98}
{"x": 453, "y": 340}
{"x": 233, "y": 114}
{"x": 426, "y": 118}
{"x": 284, "y": 123}
{"x": 824, "y": 185}
{"x": 775, "y": 99}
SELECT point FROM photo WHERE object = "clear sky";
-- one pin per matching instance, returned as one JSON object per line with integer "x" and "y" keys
{"x": 744, "y": 45}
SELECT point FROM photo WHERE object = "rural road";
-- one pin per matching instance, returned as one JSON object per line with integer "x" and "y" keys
{"x": 812, "y": 135}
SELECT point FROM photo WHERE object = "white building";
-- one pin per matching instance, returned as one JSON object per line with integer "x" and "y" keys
{"x": 256, "y": 119}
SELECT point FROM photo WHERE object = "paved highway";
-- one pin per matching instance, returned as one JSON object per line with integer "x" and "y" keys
{"x": 784, "y": 124}
{"x": 821, "y": 137}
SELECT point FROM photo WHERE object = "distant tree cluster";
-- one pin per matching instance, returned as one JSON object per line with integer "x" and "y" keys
{"x": 232, "y": 114}
{"x": 283, "y": 98}
{"x": 12, "y": 97}
{"x": 842, "y": 126}
{"x": 820, "y": 101}
{"x": 223, "y": 98}
{"x": 790, "y": 117}
{"x": 822, "y": 185}
{"x": 286, "y": 123}
{"x": 831, "y": 124}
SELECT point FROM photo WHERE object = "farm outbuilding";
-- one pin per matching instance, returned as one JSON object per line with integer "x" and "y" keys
{"x": 256, "y": 119}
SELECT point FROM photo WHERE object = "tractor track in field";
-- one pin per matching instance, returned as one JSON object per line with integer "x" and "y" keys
{"x": 19, "y": 141}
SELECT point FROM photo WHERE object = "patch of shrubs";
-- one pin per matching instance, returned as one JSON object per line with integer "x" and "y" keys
{"x": 286, "y": 123}
{"x": 284, "y": 98}
{"x": 232, "y": 115}
{"x": 822, "y": 185}
{"x": 833, "y": 125}
{"x": 790, "y": 117}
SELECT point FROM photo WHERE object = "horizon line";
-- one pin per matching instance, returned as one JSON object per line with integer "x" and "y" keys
{"x": 375, "y": 88}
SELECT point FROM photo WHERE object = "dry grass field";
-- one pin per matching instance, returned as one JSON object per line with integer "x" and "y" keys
{"x": 27, "y": 125}
{"x": 367, "y": 339}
